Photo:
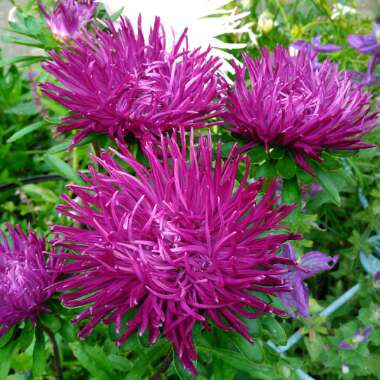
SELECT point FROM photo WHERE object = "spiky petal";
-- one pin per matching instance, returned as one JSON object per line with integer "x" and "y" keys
{"x": 179, "y": 243}
{"x": 25, "y": 275}
{"x": 287, "y": 103}
{"x": 116, "y": 82}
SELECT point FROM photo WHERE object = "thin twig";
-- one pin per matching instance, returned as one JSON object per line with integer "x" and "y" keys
{"x": 56, "y": 356}
{"x": 164, "y": 367}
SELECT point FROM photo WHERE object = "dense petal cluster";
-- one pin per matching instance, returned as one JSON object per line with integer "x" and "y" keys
{"x": 178, "y": 243}
{"x": 206, "y": 21}
{"x": 114, "y": 81}
{"x": 289, "y": 104}
{"x": 311, "y": 263}
{"x": 69, "y": 17}
{"x": 25, "y": 275}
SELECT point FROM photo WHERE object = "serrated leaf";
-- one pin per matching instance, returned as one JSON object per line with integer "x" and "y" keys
{"x": 61, "y": 167}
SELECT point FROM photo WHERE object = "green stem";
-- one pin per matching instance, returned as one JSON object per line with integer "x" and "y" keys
{"x": 56, "y": 355}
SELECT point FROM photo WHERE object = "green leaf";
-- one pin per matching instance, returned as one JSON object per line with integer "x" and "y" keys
{"x": 94, "y": 360}
{"x": 257, "y": 154}
{"x": 141, "y": 365}
{"x": 277, "y": 153}
{"x": 6, "y": 337}
{"x": 50, "y": 321}
{"x": 39, "y": 353}
{"x": 61, "y": 167}
{"x": 252, "y": 351}
{"x": 26, "y": 130}
{"x": 26, "y": 59}
{"x": 117, "y": 14}
{"x": 330, "y": 162}
{"x": 27, "y": 335}
{"x": 290, "y": 192}
{"x": 68, "y": 331}
{"x": 327, "y": 184}
{"x": 286, "y": 167}
{"x": 274, "y": 330}
{"x": 6, "y": 354}
{"x": 41, "y": 192}
{"x": 238, "y": 361}
{"x": 26, "y": 108}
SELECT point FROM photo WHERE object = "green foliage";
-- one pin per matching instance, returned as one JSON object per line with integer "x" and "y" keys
{"x": 343, "y": 219}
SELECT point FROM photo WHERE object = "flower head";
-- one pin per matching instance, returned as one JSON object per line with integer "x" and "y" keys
{"x": 206, "y": 20}
{"x": 313, "y": 48}
{"x": 69, "y": 17}
{"x": 360, "y": 336}
{"x": 179, "y": 243}
{"x": 289, "y": 104}
{"x": 297, "y": 300}
{"x": 25, "y": 275}
{"x": 368, "y": 44}
{"x": 116, "y": 82}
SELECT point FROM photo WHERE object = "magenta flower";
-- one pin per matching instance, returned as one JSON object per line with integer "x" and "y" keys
{"x": 116, "y": 82}
{"x": 297, "y": 300}
{"x": 315, "y": 47}
{"x": 289, "y": 104}
{"x": 69, "y": 17}
{"x": 178, "y": 244}
{"x": 25, "y": 275}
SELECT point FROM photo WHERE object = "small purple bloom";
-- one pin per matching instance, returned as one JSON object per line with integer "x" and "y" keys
{"x": 25, "y": 276}
{"x": 69, "y": 17}
{"x": 377, "y": 281}
{"x": 115, "y": 82}
{"x": 297, "y": 300}
{"x": 361, "y": 336}
{"x": 286, "y": 103}
{"x": 368, "y": 44}
{"x": 315, "y": 47}
{"x": 178, "y": 243}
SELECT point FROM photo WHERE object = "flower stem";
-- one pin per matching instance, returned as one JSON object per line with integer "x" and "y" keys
{"x": 164, "y": 367}
{"x": 56, "y": 355}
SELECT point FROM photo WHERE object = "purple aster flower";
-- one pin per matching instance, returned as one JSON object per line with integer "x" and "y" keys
{"x": 313, "y": 48}
{"x": 297, "y": 300}
{"x": 368, "y": 44}
{"x": 69, "y": 17}
{"x": 178, "y": 243}
{"x": 287, "y": 103}
{"x": 116, "y": 82}
{"x": 25, "y": 276}
{"x": 361, "y": 336}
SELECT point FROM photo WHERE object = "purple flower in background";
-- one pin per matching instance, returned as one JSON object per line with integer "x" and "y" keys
{"x": 69, "y": 17}
{"x": 287, "y": 103}
{"x": 25, "y": 275}
{"x": 368, "y": 44}
{"x": 179, "y": 243}
{"x": 116, "y": 82}
{"x": 361, "y": 336}
{"x": 376, "y": 278}
{"x": 313, "y": 48}
{"x": 297, "y": 300}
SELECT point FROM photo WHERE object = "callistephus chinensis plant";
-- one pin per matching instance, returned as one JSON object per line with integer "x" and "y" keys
{"x": 26, "y": 276}
{"x": 69, "y": 17}
{"x": 116, "y": 82}
{"x": 288, "y": 103}
{"x": 180, "y": 243}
